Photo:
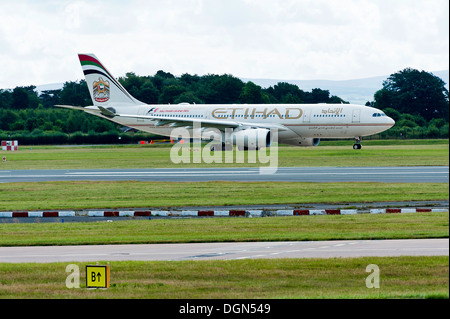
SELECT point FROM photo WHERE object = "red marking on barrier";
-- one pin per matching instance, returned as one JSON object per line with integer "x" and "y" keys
{"x": 143, "y": 213}
{"x": 301, "y": 212}
{"x": 423, "y": 210}
{"x": 50, "y": 214}
{"x": 237, "y": 212}
{"x": 20, "y": 214}
{"x": 393, "y": 210}
{"x": 111, "y": 214}
{"x": 205, "y": 213}
{"x": 333, "y": 211}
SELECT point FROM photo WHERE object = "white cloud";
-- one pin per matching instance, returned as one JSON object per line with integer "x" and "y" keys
{"x": 283, "y": 39}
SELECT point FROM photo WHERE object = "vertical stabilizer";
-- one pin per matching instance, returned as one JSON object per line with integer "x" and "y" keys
{"x": 105, "y": 90}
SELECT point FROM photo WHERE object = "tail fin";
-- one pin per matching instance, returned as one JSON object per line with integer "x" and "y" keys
{"x": 105, "y": 90}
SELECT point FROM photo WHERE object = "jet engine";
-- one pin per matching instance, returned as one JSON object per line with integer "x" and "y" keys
{"x": 252, "y": 139}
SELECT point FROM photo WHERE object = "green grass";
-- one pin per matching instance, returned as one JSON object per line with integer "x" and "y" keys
{"x": 294, "y": 228}
{"x": 339, "y": 153}
{"x": 400, "y": 277}
{"x": 99, "y": 194}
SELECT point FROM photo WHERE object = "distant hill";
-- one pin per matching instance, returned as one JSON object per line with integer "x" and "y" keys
{"x": 357, "y": 91}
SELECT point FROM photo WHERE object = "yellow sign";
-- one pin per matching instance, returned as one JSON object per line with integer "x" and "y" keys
{"x": 97, "y": 276}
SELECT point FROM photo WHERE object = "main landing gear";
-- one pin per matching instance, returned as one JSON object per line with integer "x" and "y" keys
{"x": 221, "y": 147}
{"x": 357, "y": 145}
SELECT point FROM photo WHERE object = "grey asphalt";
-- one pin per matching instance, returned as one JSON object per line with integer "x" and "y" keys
{"x": 415, "y": 174}
{"x": 227, "y": 251}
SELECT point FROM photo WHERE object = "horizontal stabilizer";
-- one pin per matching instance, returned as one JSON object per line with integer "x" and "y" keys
{"x": 71, "y": 107}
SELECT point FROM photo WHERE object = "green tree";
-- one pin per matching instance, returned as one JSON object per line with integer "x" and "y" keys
{"x": 19, "y": 99}
{"x": 165, "y": 75}
{"x": 414, "y": 92}
{"x": 228, "y": 88}
{"x": 170, "y": 94}
{"x": 75, "y": 93}
{"x": 286, "y": 93}
{"x": 433, "y": 131}
{"x": 319, "y": 96}
{"x": 217, "y": 89}
{"x": 131, "y": 80}
{"x": 394, "y": 114}
{"x": 24, "y": 97}
{"x": 149, "y": 93}
{"x": 49, "y": 98}
{"x": 188, "y": 97}
{"x": 407, "y": 120}
{"x": 5, "y": 99}
{"x": 251, "y": 94}
{"x": 7, "y": 117}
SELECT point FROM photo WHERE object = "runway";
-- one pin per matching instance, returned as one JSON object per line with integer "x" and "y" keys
{"x": 227, "y": 251}
{"x": 414, "y": 174}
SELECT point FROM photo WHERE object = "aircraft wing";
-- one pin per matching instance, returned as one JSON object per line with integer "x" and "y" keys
{"x": 181, "y": 121}
{"x": 219, "y": 124}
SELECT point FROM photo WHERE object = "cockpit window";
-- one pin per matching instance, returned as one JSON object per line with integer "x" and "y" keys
{"x": 378, "y": 114}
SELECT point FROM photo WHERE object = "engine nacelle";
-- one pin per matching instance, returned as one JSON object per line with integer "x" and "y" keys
{"x": 302, "y": 142}
{"x": 252, "y": 139}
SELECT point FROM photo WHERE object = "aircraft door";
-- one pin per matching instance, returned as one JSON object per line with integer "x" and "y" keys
{"x": 356, "y": 116}
{"x": 307, "y": 116}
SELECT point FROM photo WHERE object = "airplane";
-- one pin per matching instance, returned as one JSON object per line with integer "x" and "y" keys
{"x": 247, "y": 125}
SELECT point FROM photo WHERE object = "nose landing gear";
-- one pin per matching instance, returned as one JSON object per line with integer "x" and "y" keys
{"x": 357, "y": 145}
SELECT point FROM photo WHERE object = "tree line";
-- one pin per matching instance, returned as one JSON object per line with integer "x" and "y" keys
{"x": 418, "y": 101}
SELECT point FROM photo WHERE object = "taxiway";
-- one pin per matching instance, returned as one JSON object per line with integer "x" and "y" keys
{"x": 227, "y": 251}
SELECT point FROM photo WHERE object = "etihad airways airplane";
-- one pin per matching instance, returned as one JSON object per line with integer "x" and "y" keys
{"x": 247, "y": 125}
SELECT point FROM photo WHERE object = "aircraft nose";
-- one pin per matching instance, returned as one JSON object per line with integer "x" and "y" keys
{"x": 390, "y": 121}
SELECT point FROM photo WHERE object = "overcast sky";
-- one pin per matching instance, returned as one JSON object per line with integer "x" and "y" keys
{"x": 277, "y": 39}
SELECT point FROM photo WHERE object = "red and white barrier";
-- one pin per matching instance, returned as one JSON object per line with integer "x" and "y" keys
{"x": 217, "y": 213}
{"x": 406, "y": 210}
{"x": 38, "y": 214}
{"x": 10, "y": 145}
{"x": 298, "y": 212}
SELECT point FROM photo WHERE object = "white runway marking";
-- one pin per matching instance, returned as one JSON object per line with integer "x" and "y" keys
{"x": 293, "y": 174}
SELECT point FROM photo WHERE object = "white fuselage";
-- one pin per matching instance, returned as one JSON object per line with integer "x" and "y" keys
{"x": 299, "y": 120}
